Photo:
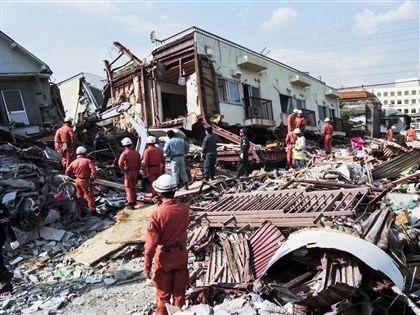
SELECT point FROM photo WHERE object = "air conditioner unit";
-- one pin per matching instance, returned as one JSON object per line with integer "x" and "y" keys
{"x": 236, "y": 73}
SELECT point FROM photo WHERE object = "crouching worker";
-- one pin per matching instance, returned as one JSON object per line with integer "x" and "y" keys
{"x": 298, "y": 151}
{"x": 166, "y": 238}
{"x": 83, "y": 169}
{"x": 6, "y": 234}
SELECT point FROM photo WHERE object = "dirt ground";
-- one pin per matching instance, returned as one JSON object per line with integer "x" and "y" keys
{"x": 131, "y": 298}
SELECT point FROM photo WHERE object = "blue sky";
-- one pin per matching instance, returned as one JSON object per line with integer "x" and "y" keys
{"x": 345, "y": 43}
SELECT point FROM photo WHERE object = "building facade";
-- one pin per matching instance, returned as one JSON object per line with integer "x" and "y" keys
{"x": 402, "y": 96}
{"x": 200, "y": 75}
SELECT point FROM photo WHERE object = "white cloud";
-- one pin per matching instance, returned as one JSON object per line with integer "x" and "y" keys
{"x": 280, "y": 17}
{"x": 367, "y": 22}
{"x": 335, "y": 68}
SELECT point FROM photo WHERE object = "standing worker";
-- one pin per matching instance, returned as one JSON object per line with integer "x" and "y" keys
{"x": 390, "y": 133}
{"x": 243, "y": 164}
{"x": 83, "y": 169}
{"x": 209, "y": 148}
{"x": 327, "y": 133}
{"x": 291, "y": 121}
{"x": 153, "y": 163}
{"x": 6, "y": 234}
{"x": 411, "y": 134}
{"x": 64, "y": 141}
{"x": 298, "y": 151}
{"x": 290, "y": 142}
{"x": 166, "y": 245}
{"x": 129, "y": 163}
{"x": 300, "y": 121}
{"x": 175, "y": 149}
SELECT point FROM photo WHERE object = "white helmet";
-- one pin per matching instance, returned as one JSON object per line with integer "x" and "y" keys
{"x": 151, "y": 139}
{"x": 68, "y": 119}
{"x": 393, "y": 127}
{"x": 81, "y": 150}
{"x": 295, "y": 110}
{"x": 412, "y": 126}
{"x": 326, "y": 119}
{"x": 126, "y": 142}
{"x": 296, "y": 131}
{"x": 299, "y": 112}
{"x": 165, "y": 183}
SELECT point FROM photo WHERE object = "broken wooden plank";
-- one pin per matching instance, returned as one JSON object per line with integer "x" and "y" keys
{"x": 132, "y": 227}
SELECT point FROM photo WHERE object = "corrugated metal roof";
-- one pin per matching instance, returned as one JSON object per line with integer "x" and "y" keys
{"x": 393, "y": 168}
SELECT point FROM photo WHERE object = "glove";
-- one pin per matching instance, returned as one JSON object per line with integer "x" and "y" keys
{"x": 14, "y": 245}
{"x": 147, "y": 273}
{"x": 241, "y": 156}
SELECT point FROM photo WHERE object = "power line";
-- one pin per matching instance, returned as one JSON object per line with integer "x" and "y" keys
{"x": 379, "y": 84}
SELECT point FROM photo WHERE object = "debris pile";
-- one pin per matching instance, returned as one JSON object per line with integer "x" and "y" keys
{"x": 338, "y": 236}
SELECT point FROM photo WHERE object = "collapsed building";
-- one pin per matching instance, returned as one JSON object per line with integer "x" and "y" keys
{"x": 194, "y": 79}
{"x": 29, "y": 104}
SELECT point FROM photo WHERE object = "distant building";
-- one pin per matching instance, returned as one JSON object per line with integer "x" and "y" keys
{"x": 367, "y": 108}
{"x": 28, "y": 101}
{"x": 403, "y": 96}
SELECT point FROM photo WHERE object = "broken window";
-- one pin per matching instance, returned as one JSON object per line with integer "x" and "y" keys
{"x": 229, "y": 91}
{"x": 15, "y": 108}
{"x": 286, "y": 104}
{"x": 174, "y": 106}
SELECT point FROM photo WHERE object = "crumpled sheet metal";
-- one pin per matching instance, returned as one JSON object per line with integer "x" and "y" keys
{"x": 394, "y": 167}
{"x": 264, "y": 243}
{"x": 370, "y": 254}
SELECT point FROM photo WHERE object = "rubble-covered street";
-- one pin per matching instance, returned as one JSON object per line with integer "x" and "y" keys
{"x": 337, "y": 237}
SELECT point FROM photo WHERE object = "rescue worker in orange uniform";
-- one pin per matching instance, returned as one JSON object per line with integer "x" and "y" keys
{"x": 64, "y": 141}
{"x": 290, "y": 141}
{"x": 327, "y": 133}
{"x": 291, "y": 120}
{"x": 129, "y": 163}
{"x": 300, "y": 121}
{"x": 153, "y": 163}
{"x": 166, "y": 246}
{"x": 85, "y": 172}
{"x": 411, "y": 134}
{"x": 390, "y": 133}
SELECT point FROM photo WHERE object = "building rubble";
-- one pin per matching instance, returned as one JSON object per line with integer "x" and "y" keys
{"x": 340, "y": 236}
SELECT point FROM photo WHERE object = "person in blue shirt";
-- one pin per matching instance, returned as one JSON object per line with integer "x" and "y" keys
{"x": 175, "y": 149}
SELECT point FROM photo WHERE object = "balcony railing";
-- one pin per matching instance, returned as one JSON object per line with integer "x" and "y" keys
{"x": 338, "y": 124}
{"x": 258, "y": 108}
{"x": 310, "y": 117}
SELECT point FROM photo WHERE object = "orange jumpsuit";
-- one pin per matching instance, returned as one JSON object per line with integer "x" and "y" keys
{"x": 390, "y": 134}
{"x": 290, "y": 141}
{"x": 84, "y": 170}
{"x": 129, "y": 163}
{"x": 327, "y": 132}
{"x": 300, "y": 122}
{"x": 64, "y": 143}
{"x": 411, "y": 135}
{"x": 291, "y": 120}
{"x": 166, "y": 238}
{"x": 154, "y": 164}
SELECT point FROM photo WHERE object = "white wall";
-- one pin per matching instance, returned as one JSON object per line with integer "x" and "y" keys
{"x": 273, "y": 81}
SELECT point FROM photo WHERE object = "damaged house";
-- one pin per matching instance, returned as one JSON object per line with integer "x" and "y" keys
{"x": 194, "y": 79}
{"x": 28, "y": 101}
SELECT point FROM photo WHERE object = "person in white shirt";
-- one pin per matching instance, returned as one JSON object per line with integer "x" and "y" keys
{"x": 298, "y": 151}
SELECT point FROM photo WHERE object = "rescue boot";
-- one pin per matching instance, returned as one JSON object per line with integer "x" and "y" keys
{"x": 94, "y": 213}
{"x": 186, "y": 187}
{"x": 130, "y": 206}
